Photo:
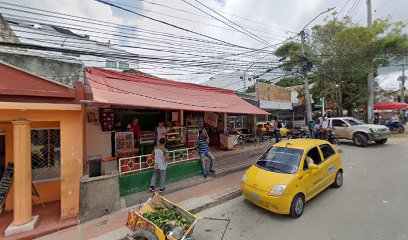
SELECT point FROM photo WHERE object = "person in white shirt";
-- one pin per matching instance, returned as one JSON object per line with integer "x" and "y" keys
{"x": 326, "y": 126}
{"x": 325, "y": 123}
{"x": 161, "y": 156}
{"x": 161, "y": 132}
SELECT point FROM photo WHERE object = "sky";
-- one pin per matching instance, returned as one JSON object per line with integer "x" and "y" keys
{"x": 271, "y": 20}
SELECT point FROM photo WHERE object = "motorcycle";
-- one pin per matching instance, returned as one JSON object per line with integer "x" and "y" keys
{"x": 297, "y": 134}
{"x": 395, "y": 125}
{"x": 331, "y": 138}
{"x": 328, "y": 135}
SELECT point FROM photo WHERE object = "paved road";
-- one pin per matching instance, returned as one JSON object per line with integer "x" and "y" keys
{"x": 372, "y": 204}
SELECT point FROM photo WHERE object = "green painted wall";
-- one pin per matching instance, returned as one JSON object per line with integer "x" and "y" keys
{"x": 139, "y": 182}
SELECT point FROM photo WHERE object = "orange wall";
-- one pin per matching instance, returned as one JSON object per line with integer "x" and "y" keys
{"x": 49, "y": 191}
{"x": 71, "y": 128}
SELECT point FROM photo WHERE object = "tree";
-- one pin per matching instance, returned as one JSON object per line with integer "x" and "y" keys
{"x": 289, "y": 82}
{"x": 339, "y": 52}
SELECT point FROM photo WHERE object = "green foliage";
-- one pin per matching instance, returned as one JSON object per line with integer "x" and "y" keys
{"x": 289, "y": 82}
{"x": 340, "y": 52}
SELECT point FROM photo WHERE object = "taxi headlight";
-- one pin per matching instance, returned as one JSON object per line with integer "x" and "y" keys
{"x": 277, "y": 190}
{"x": 244, "y": 178}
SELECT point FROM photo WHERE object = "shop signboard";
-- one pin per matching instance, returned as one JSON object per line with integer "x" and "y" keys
{"x": 124, "y": 144}
{"x": 273, "y": 97}
{"x": 211, "y": 119}
{"x": 107, "y": 119}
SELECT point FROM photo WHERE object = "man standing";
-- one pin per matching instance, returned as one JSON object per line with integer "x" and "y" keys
{"x": 161, "y": 132}
{"x": 161, "y": 156}
{"x": 276, "y": 129}
{"x": 204, "y": 151}
{"x": 135, "y": 128}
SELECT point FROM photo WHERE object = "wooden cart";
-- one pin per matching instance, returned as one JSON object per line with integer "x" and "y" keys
{"x": 142, "y": 228}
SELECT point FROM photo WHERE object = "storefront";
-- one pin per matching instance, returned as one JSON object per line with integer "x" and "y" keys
{"x": 116, "y": 99}
{"x": 41, "y": 146}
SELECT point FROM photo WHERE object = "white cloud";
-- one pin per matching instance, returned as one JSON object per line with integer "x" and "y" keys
{"x": 275, "y": 17}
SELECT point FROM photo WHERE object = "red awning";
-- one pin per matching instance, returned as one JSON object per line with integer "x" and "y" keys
{"x": 389, "y": 106}
{"x": 136, "y": 90}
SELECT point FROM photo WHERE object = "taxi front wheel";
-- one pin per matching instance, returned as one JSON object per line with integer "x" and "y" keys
{"x": 296, "y": 208}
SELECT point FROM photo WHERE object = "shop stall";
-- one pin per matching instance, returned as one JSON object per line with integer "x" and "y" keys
{"x": 183, "y": 107}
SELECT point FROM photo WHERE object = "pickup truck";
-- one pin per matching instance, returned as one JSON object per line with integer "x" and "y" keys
{"x": 359, "y": 132}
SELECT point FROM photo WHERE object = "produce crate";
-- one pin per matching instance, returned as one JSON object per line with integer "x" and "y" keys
{"x": 141, "y": 226}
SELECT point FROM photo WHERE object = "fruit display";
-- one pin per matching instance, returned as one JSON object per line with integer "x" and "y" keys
{"x": 161, "y": 216}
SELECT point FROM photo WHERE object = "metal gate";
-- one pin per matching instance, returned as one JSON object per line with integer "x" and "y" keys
{"x": 45, "y": 154}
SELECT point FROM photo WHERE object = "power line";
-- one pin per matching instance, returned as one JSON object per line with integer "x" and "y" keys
{"x": 57, "y": 15}
{"x": 249, "y": 35}
{"x": 203, "y": 23}
{"x": 212, "y": 10}
{"x": 230, "y": 14}
{"x": 164, "y": 22}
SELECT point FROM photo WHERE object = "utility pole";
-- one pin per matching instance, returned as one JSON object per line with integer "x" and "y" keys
{"x": 244, "y": 79}
{"x": 305, "y": 67}
{"x": 305, "y": 78}
{"x": 370, "y": 75}
{"x": 402, "y": 79}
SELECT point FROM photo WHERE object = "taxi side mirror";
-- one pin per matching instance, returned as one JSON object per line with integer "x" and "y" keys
{"x": 312, "y": 166}
{"x": 344, "y": 125}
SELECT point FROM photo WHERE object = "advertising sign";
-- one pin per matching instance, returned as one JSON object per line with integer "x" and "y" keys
{"x": 269, "y": 92}
{"x": 211, "y": 119}
{"x": 273, "y": 97}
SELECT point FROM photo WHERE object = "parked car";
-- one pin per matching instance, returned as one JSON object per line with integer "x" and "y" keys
{"x": 359, "y": 132}
{"x": 291, "y": 173}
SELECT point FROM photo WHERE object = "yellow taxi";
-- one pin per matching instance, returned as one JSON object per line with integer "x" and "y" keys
{"x": 291, "y": 173}
{"x": 283, "y": 131}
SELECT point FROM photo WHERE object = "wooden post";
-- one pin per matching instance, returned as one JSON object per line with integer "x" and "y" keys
{"x": 225, "y": 123}
{"x": 181, "y": 117}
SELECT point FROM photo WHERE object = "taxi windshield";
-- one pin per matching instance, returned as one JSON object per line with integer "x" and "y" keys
{"x": 280, "y": 159}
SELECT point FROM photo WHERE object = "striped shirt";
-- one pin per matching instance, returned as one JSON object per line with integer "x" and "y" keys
{"x": 202, "y": 145}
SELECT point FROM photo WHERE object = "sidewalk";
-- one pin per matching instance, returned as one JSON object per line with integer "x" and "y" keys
{"x": 193, "y": 194}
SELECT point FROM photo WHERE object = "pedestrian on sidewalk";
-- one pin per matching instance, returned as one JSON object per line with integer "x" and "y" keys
{"x": 161, "y": 156}
{"x": 276, "y": 129}
{"x": 204, "y": 151}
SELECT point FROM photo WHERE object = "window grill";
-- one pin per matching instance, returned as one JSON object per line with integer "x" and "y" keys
{"x": 45, "y": 154}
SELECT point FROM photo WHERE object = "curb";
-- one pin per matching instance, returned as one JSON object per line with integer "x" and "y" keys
{"x": 217, "y": 202}
{"x": 241, "y": 153}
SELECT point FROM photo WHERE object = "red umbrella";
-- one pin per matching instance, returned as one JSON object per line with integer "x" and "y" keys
{"x": 390, "y": 105}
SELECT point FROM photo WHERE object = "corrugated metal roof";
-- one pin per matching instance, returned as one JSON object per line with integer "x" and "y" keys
{"x": 109, "y": 87}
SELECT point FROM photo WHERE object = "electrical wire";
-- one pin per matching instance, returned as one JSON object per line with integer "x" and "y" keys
{"x": 245, "y": 32}
{"x": 164, "y": 22}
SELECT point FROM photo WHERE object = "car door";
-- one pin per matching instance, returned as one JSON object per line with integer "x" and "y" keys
{"x": 340, "y": 128}
{"x": 312, "y": 178}
{"x": 327, "y": 166}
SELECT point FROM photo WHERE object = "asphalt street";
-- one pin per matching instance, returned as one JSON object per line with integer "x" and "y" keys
{"x": 372, "y": 204}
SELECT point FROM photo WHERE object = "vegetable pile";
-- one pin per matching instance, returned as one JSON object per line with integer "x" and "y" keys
{"x": 160, "y": 216}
